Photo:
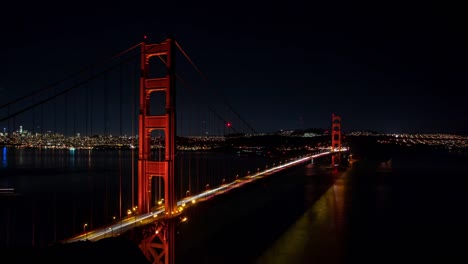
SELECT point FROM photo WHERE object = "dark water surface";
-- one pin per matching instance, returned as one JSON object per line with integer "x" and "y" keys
{"x": 58, "y": 191}
{"x": 407, "y": 207}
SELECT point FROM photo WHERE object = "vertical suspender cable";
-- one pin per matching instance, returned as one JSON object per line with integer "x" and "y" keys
{"x": 120, "y": 187}
{"x": 197, "y": 171}
{"x": 181, "y": 165}
{"x": 120, "y": 134}
{"x": 14, "y": 124}
{"x": 132, "y": 150}
{"x": 106, "y": 106}
{"x": 105, "y": 131}
{"x": 55, "y": 115}
{"x": 74, "y": 115}
{"x": 66, "y": 115}
{"x": 9, "y": 120}
{"x": 34, "y": 120}
{"x": 189, "y": 187}
{"x": 160, "y": 182}
{"x": 91, "y": 109}
{"x": 120, "y": 97}
{"x": 86, "y": 110}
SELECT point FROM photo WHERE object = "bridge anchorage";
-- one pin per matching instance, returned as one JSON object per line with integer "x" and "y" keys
{"x": 157, "y": 243}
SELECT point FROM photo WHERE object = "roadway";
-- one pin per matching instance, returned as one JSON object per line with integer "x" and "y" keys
{"x": 159, "y": 214}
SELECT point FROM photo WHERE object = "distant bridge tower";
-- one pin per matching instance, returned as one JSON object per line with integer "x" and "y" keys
{"x": 336, "y": 139}
{"x": 158, "y": 247}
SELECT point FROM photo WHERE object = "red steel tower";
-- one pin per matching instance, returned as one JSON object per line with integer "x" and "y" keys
{"x": 336, "y": 138}
{"x": 148, "y": 168}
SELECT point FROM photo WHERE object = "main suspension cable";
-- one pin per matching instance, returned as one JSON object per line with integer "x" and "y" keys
{"x": 222, "y": 98}
{"x": 84, "y": 69}
{"x": 64, "y": 91}
{"x": 192, "y": 91}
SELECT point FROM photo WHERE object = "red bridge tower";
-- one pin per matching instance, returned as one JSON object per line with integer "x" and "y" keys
{"x": 336, "y": 139}
{"x": 159, "y": 248}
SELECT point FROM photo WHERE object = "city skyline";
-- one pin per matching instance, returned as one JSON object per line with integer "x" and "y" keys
{"x": 390, "y": 69}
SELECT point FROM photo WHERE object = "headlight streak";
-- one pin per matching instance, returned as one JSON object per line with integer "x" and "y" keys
{"x": 121, "y": 226}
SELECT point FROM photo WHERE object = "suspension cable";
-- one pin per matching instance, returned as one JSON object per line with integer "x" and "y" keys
{"x": 64, "y": 91}
{"x": 191, "y": 90}
{"x": 84, "y": 69}
{"x": 222, "y": 98}
{"x": 190, "y": 60}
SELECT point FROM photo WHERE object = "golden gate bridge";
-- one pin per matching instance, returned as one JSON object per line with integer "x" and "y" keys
{"x": 159, "y": 194}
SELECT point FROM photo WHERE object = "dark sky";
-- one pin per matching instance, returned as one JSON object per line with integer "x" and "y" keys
{"x": 390, "y": 67}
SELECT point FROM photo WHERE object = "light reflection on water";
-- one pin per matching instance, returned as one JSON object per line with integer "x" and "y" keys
{"x": 317, "y": 234}
{"x": 407, "y": 208}
{"x": 59, "y": 190}
{"x": 368, "y": 213}
{"x": 4, "y": 157}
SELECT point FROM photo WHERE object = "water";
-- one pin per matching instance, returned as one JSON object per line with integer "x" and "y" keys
{"x": 409, "y": 207}
{"x": 404, "y": 206}
{"x": 58, "y": 191}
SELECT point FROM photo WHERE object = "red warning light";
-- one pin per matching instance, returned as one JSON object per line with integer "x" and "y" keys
{"x": 228, "y": 124}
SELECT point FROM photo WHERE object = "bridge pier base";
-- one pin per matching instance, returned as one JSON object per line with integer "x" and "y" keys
{"x": 160, "y": 243}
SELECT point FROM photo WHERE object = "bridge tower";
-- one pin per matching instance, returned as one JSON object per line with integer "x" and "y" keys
{"x": 160, "y": 246}
{"x": 336, "y": 139}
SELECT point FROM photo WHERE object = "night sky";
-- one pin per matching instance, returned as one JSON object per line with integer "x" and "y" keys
{"x": 391, "y": 68}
